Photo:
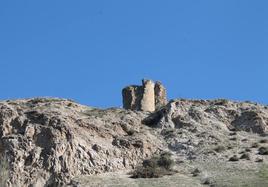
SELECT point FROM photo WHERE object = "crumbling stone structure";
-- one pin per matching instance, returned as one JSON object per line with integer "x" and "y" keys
{"x": 148, "y": 97}
{"x": 160, "y": 95}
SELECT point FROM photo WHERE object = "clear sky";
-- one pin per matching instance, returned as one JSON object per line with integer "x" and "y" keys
{"x": 88, "y": 50}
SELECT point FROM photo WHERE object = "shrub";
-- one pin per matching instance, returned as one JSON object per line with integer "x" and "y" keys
{"x": 148, "y": 172}
{"x": 153, "y": 119}
{"x": 221, "y": 102}
{"x": 263, "y": 150}
{"x": 131, "y": 132}
{"x": 245, "y": 156}
{"x": 152, "y": 163}
{"x": 165, "y": 161}
{"x": 264, "y": 141}
{"x": 155, "y": 167}
{"x": 233, "y": 139}
{"x": 259, "y": 160}
{"x": 219, "y": 148}
{"x": 196, "y": 172}
{"x": 233, "y": 134}
{"x": 234, "y": 158}
{"x": 169, "y": 132}
{"x": 255, "y": 145}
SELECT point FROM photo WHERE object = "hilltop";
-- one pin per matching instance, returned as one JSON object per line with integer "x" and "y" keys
{"x": 51, "y": 141}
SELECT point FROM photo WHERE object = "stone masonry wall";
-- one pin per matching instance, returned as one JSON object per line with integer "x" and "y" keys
{"x": 160, "y": 95}
{"x": 148, "y": 97}
{"x": 132, "y": 96}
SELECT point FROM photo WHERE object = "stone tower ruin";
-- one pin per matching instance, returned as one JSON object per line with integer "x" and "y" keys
{"x": 148, "y": 97}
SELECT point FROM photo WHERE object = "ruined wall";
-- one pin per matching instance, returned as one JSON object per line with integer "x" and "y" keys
{"x": 132, "y": 96}
{"x": 160, "y": 95}
{"x": 148, "y": 97}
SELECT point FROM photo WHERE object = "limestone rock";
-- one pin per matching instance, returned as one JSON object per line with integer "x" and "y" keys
{"x": 224, "y": 114}
{"x": 49, "y": 141}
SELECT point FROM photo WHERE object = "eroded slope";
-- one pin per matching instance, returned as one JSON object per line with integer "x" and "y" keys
{"x": 54, "y": 141}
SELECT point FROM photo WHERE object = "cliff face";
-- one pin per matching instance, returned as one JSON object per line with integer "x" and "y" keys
{"x": 50, "y": 141}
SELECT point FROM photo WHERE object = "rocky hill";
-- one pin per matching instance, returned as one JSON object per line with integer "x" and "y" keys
{"x": 58, "y": 142}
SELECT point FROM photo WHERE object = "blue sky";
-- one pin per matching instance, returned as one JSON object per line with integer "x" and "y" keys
{"x": 88, "y": 50}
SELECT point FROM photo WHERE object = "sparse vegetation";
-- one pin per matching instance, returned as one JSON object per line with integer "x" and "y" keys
{"x": 4, "y": 170}
{"x": 153, "y": 119}
{"x": 259, "y": 160}
{"x": 45, "y": 100}
{"x": 169, "y": 132}
{"x": 263, "y": 150}
{"x": 155, "y": 167}
{"x": 100, "y": 113}
{"x": 128, "y": 129}
{"x": 196, "y": 172}
{"x": 206, "y": 181}
{"x": 221, "y": 102}
{"x": 233, "y": 134}
{"x": 94, "y": 112}
{"x": 219, "y": 148}
{"x": 118, "y": 137}
{"x": 233, "y": 139}
{"x": 263, "y": 141}
{"x": 263, "y": 173}
{"x": 245, "y": 156}
{"x": 229, "y": 147}
{"x": 131, "y": 132}
{"x": 234, "y": 158}
{"x": 255, "y": 145}
{"x": 232, "y": 129}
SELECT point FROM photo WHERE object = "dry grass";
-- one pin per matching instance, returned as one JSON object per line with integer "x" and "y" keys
{"x": 4, "y": 170}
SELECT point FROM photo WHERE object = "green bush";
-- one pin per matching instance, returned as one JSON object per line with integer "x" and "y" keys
{"x": 152, "y": 163}
{"x": 165, "y": 161}
{"x": 155, "y": 167}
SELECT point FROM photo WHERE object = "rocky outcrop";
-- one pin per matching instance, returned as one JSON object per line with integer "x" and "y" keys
{"x": 50, "y": 141}
{"x": 223, "y": 114}
{"x": 148, "y": 97}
